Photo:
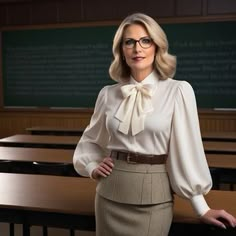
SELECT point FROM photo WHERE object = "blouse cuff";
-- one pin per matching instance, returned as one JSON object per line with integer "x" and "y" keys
{"x": 90, "y": 167}
{"x": 199, "y": 205}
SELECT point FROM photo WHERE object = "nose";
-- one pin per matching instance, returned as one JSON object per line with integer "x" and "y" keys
{"x": 137, "y": 46}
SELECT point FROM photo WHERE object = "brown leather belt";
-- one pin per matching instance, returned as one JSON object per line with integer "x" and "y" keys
{"x": 137, "y": 158}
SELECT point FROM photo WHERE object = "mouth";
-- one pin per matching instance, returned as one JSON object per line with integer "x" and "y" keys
{"x": 137, "y": 58}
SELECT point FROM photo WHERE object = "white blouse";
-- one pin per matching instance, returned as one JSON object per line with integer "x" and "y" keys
{"x": 170, "y": 126}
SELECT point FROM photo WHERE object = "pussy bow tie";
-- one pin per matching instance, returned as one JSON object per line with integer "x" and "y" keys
{"x": 133, "y": 109}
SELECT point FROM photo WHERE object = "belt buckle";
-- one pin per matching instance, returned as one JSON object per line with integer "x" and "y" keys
{"x": 129, "y": 161}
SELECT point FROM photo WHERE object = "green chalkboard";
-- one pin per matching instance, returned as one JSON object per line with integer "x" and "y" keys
{"x": 66, "y": 67}
{"x": 206, "y": 57}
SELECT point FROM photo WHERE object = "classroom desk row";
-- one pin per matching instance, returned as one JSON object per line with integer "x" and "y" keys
{"x": 219, "y": 136}
{"x": 45, "y": 130}
{"x": 70, "y": 142}
{"x": 60, "y": 162}
{"x": 40, "y": 141}
{"x": 48, "y": 155}
{"x": 220, "y": 157}
{"x": 68, "y": 202}
{"x": 49, "y": 130}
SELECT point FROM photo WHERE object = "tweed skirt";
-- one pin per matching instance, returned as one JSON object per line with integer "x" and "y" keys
{"x": 121, "y": 219}
{"x": 135, "y": 199}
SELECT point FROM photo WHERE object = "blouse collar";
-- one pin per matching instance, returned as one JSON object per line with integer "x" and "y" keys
{"x": 152, "y": 79}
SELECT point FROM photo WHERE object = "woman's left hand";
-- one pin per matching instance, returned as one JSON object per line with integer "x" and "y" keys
{"x": 219, "y": 218}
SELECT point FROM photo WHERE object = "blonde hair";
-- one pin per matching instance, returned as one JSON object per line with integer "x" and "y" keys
{"x": 165, "y": 64}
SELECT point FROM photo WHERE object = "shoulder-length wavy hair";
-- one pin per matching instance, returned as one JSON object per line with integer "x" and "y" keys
{"x": 164, "y": 63}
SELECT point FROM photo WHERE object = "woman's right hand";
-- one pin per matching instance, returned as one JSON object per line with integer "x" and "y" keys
{"x": 104, "y": 169}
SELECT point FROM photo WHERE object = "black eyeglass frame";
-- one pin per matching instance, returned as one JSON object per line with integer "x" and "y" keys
{"x": 134, "y": 42}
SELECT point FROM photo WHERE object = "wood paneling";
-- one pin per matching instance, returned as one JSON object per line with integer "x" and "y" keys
{"x": 18, "y": 14}
{"x": 44, "y": 13}
{"x": 1, "y": 74}
{"x": 3, "y": 15}
{"x": 72, "y": 12}
{"x": 188, "y": 8}
{"x": 222, "y": 121}
{"x": 13, "y": 122}
{"x": 115, "y": 10}
{"x": 26, "y": 12}
{"x": 221, "y": 6}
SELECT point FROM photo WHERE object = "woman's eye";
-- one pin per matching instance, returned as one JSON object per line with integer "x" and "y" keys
{"x": 146, "y": 41}
{"x": 129, "y": 42}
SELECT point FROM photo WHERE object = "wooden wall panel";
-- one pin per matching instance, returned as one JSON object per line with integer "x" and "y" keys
{"x": 115, "y": 10}
{"x": 218, "y": 121}
{"x": 12, "y": 122}
{"x": 3, "y": 15}
{"x": 18, "y": 14}
{"x": 44, "y": 13}
{"x": 221, "y": 6}
{"x": 72, "y": 12}
{"x": 188, "y": 8}
{"x": 1, "y": 74}
{"x": 27, "y": 12}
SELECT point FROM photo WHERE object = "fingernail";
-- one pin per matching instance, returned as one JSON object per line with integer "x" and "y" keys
{"x": 223, "y": 226}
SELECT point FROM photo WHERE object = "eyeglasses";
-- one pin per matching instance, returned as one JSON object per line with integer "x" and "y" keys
{"x": 144, "y": 42}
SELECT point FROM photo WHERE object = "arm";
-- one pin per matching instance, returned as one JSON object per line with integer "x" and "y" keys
{"x": 187, "y": 166}
{"x": 91, "y": 149}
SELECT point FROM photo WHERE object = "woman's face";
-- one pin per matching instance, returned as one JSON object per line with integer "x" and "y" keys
{"x": 138, "y": 57}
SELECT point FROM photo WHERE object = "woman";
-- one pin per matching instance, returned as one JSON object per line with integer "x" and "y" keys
{"x": 143, "y": 142}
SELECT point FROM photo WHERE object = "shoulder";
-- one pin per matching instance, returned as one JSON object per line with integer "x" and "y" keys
{"x": 109, "y": 92}
{"x": 108, "y": 88}
{"x": 112, "y": 90}
{"x": 179, "y": 86}
{"x": 178, "y": 83}
{"x": 184, "y": 93}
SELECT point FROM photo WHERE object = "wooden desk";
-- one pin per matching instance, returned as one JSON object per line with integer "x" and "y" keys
{"x": 184, "y": 213}
{"x": 66, "y": 156}
{"x": 46, "y": 130}
{"x": 219, "y": 136}
{"x": 40, "y": 155}
{"x": 68, "y": 202}
{"x": 219, "y": 147}
{"x": 226, "y": 161}
{"x": 70, "y": 142}
{"x": 46, "y": 161}
{"x": 223, "y": 169}
{"x": 43, "y": 141}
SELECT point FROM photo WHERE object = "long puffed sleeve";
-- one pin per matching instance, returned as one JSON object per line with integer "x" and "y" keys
{"x": 91, "y": 148}
{"x": 187, "y": 165}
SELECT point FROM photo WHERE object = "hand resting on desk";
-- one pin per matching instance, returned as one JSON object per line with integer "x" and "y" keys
{"x": 219, "y": 218}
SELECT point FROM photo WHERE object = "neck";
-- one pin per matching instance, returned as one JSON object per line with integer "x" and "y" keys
{"x": 140, "y": 76}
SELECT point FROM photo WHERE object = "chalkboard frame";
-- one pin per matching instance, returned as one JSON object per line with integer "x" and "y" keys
{"x": 90, "y": 24}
